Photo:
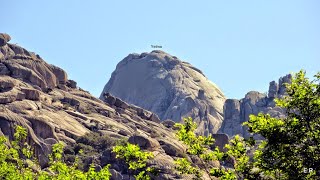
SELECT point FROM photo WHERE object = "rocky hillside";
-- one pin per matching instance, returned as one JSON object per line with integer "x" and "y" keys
{"x": 40, "y": 97}
{"x": 169, "y": 87}
{"x": 237, "y": 111}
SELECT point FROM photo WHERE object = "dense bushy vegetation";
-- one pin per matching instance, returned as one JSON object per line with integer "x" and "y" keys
{"x": 200, "y": 146}
{"x": 18, "y": 162}
{"x": 86, "y": 147}
{"x": 136, "y": 159}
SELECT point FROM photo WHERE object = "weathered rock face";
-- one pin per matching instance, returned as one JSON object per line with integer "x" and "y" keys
{"x": 19, "y": 63}
{"x": 220, "y": 141}
{"x": 40, "y": 97}
{"x": 4, "y": 38}
{"x": 237, "y": 111}
{"x": 170, "y": 88}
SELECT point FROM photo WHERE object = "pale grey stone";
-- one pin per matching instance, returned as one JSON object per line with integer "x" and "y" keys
{"x": 165, "y": 85}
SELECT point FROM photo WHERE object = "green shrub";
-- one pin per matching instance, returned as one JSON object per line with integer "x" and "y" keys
{"x": 200, "y": 147}
{"x": 135, "y": 159}
{"x": 96, "y": 140}
{"x": 18, "y": 162}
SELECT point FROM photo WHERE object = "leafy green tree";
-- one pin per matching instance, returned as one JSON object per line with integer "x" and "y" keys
{"x": 200, "y": 146}
{"x": 136, "y": 159}
{"x": 292, "y": 144}
{"x": 238, "y": 149}
{"x": 18, "y": 162}
{"x": 184, "y": 167}
{"x": 14, "y": 156}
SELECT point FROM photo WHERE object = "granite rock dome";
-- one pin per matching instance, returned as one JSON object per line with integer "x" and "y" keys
{"x": 169, "y": 87}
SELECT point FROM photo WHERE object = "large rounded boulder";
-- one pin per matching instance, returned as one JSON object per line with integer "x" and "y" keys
{"x": 168, "y": 87}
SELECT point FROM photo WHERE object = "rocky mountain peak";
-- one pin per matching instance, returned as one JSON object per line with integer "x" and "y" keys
{"x": 237, "y": 111}
{"x": 169, "y": 87}
{"x": 279, "y": 89}
{"x": 158, "y": 58}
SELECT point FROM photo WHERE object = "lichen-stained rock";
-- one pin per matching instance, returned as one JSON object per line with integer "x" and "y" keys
{"x": 168, "y": 87}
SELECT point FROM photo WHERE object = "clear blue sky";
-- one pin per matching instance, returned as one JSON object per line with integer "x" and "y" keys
{"x": 239, "y": 45}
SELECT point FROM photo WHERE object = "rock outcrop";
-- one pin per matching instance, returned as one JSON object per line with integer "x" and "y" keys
{"x": 237, "y": 111}
{"x": 41, "y": 98}
{"x": 168, "y": 87}
{"x": 4, "y": 38}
